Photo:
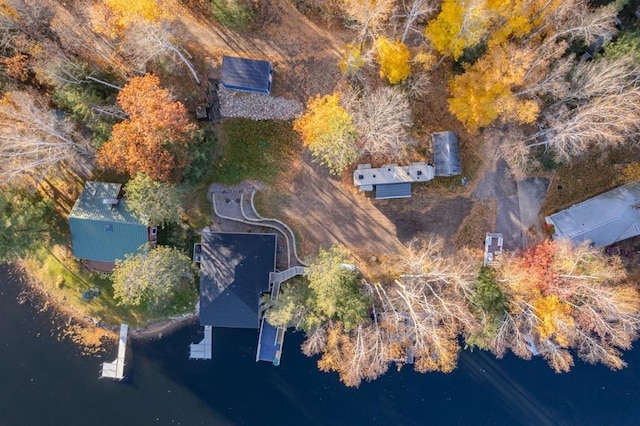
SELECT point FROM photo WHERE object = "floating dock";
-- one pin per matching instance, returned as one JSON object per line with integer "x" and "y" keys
{"x": 115, "y": 369}
{"x": 270, "y": 343}
{"x": 203, "y": 349}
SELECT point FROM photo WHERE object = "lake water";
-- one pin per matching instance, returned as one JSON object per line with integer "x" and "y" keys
{"x": 46, "y": 382}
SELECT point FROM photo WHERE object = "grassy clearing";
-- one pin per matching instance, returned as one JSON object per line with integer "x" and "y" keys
{"x": 251, "y": 149}
{"x": 65, "y": 280}
{"x": 593, "y": 175}
{"x": 233, "y": 14}
{"x": 481, "y": 219}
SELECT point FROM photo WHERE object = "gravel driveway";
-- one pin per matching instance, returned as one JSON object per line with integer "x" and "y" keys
{"x": 518, "y": 202}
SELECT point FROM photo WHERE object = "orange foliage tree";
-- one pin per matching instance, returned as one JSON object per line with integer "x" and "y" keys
{"x": 154, "y": 139}
{"x": 562, "y": 297}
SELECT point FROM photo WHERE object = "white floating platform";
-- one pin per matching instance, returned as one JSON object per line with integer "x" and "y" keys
{"x": 203, "y": 349}
{"x": 115, "y": 369}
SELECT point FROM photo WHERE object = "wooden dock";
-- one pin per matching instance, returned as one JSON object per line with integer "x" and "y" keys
{"x": 115, "y": 369}
{"x": 203, "y": 349}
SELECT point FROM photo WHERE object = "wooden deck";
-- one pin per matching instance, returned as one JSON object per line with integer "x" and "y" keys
{"x": 115, "y": 369}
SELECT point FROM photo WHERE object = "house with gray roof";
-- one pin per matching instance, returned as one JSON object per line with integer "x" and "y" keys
{"x": 603, "y": 220}
{"x": 103, "y": 229}
{"x": 234, "y": 273}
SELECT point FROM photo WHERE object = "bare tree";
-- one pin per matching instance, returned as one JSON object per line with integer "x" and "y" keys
{"x": 147, "y": 41}
{"x": 425, "y": 310}
{"x": 82, "y": 41}
{"x": 34, "y": 140}
{"x": 408, "y": 12}
{"x": 579, "y": 20}
{"x": 382, "y": 119}
{"x": 57, "y": 68}
{"x": 598, "y": 107}
{"x": 509, "y": 141}
{"x": 602, "y": 122}
{"x": 315, "y": 342}
{"x": 369, "y": 16}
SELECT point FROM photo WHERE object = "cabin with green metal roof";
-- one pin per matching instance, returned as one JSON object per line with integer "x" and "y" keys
{"x": 103, "y": 229}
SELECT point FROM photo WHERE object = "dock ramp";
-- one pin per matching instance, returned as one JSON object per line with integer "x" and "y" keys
{"x": 115, "y": 369}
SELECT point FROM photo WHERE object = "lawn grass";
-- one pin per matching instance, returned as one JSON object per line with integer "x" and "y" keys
{"x": 233, "y": 14}
{"x": 65, "y": 280}
{"x": 251, "y": 149}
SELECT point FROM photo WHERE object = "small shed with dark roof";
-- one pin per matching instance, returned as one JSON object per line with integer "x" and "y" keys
{"x": 102, "y": 228}
{"x": 247, "y": 75}
{"x": 446, "y": 154}
{"x": 234, "y": 273}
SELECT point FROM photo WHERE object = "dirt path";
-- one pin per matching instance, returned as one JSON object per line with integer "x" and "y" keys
{"x": 325, "y": 212}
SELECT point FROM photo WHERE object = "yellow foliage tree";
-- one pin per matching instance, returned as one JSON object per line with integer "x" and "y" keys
{"x": 112, "y": 17}
{"x": 351, "y": 60}
{"x": 465, "y": 23}
{"x": 555, "y": 318}
{"x": 393, "y": 58}
{"x": 459, "y": 25}
{"x": 518, "y": 18}
{"x": 328, "y": 130}
{"x": 487, "y": 89}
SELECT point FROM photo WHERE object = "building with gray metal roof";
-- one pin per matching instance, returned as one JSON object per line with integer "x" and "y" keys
{"x": 602, "y": 220}
{"x": 446, "y": 154}
{"x": 247, "y": 75}
{"x": 102, "y": 228}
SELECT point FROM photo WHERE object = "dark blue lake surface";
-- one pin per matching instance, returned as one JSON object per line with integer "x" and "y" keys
{"x": 46, "y": 382}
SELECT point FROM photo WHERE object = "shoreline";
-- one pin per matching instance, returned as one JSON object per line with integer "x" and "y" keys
{"x": 33, "y": 289}
{"x": 162, "y": 328}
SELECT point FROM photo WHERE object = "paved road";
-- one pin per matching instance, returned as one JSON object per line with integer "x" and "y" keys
{"x": 518, "y": 202}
